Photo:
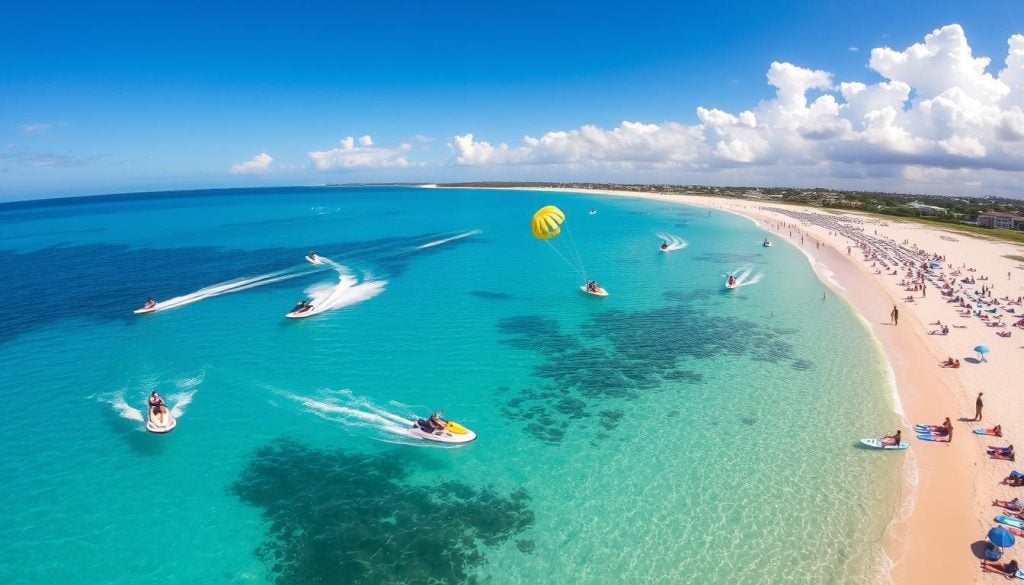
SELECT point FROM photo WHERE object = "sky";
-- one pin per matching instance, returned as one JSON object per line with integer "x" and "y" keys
{"x": 909, "y": 96}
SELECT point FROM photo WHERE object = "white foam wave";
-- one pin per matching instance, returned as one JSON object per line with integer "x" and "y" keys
{"x": 674, "y": 242}
{"x": 181, "y": 400}
{"x": 450, "y": 239}
{"x": 120, "y": 405}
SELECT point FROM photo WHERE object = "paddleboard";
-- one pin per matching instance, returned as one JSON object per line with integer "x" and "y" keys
{"x": 983, "y": 432}
{"x": 923, "y": 428}
{"x": 877, "y": 444}
{"x": 600, "y": 292}
{"x": 931, "y": 437}
{"x": 1010, "y": 521}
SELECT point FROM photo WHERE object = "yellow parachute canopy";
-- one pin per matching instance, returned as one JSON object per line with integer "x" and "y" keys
{"x": 545, "y": 223}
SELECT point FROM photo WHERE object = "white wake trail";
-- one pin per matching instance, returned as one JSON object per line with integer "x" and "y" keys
{"x": 348, "y": 291}
{"x": 360, "y": 414}
{"x": 229, "y": 286}
{"x": 451, "y": 239}
{"x": 745, "y": 276}
{"x": 674, "y": 242}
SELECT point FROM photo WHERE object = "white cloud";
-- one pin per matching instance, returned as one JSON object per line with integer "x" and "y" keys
{"x": 938, "y": 107}
{"x": 365, "y": 155}
{"x": 259, "y": 164}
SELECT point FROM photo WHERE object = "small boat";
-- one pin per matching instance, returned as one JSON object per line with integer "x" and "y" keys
{"x": 453, "y": 432}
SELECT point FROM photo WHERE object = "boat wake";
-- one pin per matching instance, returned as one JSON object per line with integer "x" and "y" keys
{"x": 674, "y": 242}
{"x": 349, "y": 290}
{"x": 230, "y": 286}
{"x": 745, "y": 276}
{"x": 361, "y": 416}
{"x": 449, "y": 239}
{"x": 177, "y": 401}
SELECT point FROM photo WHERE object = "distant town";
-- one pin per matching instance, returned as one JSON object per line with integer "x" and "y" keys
{"x": 998, "y": 213}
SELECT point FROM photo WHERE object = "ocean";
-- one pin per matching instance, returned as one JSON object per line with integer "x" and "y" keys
{"x": 673, "y": 432}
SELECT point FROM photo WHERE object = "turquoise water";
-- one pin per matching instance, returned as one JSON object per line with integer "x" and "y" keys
{"x": 672, "y": 432}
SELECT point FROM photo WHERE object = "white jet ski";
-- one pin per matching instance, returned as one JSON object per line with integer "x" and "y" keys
{"x": 597, "y": 292}
{"x": 453, "y": 433}
{"x": 731, "y": 282}
{"x": 297, "y": 313}
{"x": 162, "y": 423}
{"x": 147, "y": 308}
{"x": 766, "y": 243}
{"x": 313, "y": 258}
{"x": 592, "y": 212}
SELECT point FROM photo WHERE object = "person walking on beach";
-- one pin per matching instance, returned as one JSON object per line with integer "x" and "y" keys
{"x": 894, "y": 316}
{"x": 978, "y": 405}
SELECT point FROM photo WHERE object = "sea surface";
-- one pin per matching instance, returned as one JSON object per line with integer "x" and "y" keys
{"x": 673, "y": 432}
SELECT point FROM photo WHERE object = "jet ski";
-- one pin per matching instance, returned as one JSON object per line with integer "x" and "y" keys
{"x": 665, "y": 248}
{"x": 453, "y": 432}
{"x": 592, "y": 212}
{"x": 766, "y": 243}
{"x": 149, "y": 307}
{"x": 597, "y": 292}
{"x": 731, "y": 282}
{"x": 312, "y": 258}
{"x": 161, "y": 423}
{"x": 302, "y": 309}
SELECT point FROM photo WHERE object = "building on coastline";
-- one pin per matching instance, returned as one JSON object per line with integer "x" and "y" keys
{"x": 1001, "y": 220}
{"x": 923, "y": 209}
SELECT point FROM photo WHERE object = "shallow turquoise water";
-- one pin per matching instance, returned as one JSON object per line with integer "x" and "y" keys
{"x": 672, "y": 432}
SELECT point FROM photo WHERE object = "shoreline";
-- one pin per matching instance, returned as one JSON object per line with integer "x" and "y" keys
{"x": 945, "y": 505}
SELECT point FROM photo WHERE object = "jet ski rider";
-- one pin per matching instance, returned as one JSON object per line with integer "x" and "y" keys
{"x": 435, "y": 422}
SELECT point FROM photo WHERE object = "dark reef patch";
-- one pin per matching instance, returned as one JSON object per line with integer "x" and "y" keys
{"x": 491, "y": 295}
{"x": 623, "y": 355}
{"x": 340, "y": 517}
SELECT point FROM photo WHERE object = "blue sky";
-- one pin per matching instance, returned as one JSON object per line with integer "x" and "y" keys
{"x": 109, "y": 97}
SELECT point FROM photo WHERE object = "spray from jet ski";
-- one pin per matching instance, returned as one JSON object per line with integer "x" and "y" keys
{"x": 670, "y": 242}
{"x": 744, "y": 276}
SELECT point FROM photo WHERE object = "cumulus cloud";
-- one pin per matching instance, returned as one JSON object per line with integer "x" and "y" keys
{"x": 360, "y": 153}
{"x": 937, "y": 107}
{"x": 258, "y": 165}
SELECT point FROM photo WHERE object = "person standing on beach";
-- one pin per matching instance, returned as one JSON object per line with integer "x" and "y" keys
{"x": 978, "y": 404}
{"x": 894, "y": 316}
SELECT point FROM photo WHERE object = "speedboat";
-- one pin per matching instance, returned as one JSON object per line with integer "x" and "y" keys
{"x": 766, "y": 243}
{"x": 312, "y": 258}
{"x": 597, "y": 291}
{"x": 452, "y": 433}
{"x": 160, "y": 423}
{"x": 731, "y": 282}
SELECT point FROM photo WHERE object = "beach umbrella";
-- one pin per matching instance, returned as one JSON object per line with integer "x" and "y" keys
{"x": 1001, "y": 537}
{"x": 982, "y": 350}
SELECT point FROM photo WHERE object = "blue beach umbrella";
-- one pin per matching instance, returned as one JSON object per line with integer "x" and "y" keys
{"x": 982, "y": 350}
{"x": 1001, "y": 537}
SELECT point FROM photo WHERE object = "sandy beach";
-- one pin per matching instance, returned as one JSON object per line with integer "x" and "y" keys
{"x": 949, "y": 487}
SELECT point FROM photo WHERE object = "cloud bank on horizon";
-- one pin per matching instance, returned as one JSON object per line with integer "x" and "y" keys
{"x": 936, "y": 115}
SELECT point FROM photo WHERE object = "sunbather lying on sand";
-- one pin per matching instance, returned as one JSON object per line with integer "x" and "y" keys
{"x": 1009, "y": 569}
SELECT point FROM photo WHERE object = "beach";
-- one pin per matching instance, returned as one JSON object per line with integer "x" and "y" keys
{"x": 948, "y": 488}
